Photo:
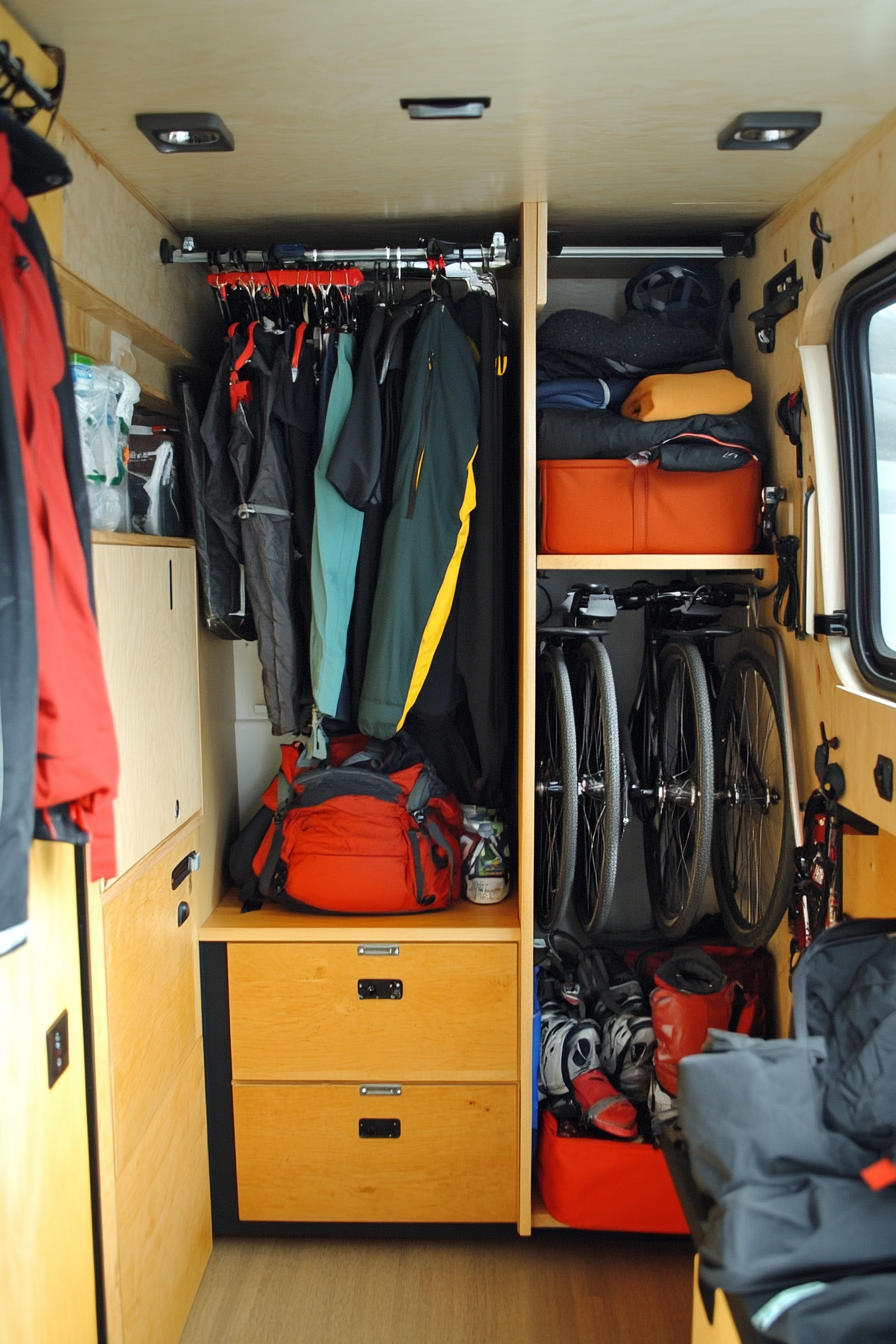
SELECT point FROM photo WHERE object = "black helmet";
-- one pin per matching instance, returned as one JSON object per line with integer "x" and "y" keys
{"x": 679, "y": 291}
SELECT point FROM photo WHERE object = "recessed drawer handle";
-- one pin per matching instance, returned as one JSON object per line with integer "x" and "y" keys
{"x": 380, "y": 1090}
{"x": 379, "y": 1129}
{"x": 380, "y": 989}
{"x": 378, "y": 949}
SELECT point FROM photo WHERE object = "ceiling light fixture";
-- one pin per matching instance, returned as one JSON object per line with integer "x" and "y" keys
{"x": 185, "y": 132}
{"x": 444, "y": 109}
{"x": 768, "y": 130}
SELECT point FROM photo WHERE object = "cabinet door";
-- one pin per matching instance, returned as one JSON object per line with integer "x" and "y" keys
{"x": 146, "y": 609}
{"x": 163, "y": 1211}
{"x": 47, "y": 1291}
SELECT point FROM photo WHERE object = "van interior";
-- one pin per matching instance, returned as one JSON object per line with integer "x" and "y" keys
{"x": 194, "y": 1167}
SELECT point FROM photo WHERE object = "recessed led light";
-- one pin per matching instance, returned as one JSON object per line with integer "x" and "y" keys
{"x": 185, "y": 132}
{"x": 769, "y": 130}
{"x": 443, "y": 109}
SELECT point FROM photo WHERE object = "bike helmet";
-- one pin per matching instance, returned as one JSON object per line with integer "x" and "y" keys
{"x": 675, "y": 290}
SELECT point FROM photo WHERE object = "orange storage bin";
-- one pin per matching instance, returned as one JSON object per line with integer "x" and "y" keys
{"x": 602, "y": 1186}
{"x": 619, "y": 508}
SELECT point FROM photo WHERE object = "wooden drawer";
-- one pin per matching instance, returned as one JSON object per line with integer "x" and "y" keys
{"x": 300, "y": 1158}
{"x": 295, "y": 1013}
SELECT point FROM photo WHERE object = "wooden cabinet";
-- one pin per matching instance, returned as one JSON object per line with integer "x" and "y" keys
{"x": 146, "y": 610}
{"x": 147, "y": 1025}
{"x": 316, "y": 1066}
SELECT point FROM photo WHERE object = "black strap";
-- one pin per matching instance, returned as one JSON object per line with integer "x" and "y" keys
{"x": 284, "y": 793}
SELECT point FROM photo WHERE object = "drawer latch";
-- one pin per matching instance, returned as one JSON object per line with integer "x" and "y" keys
{"x": 379, "y": 1129}
{"x": 378, "y": 950}
{"x": 380, "y": 989}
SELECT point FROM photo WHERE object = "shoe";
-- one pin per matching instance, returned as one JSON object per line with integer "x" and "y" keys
{"x": 602, "y": 1106}
{"x": 662, "y": 1105}
{"x": 627, "y": 1048}
{"x": 614, "y": 998}
{"x": 569, "y": 1046}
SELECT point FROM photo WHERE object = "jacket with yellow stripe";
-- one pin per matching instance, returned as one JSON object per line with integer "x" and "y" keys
{"x": 427, "y": 529}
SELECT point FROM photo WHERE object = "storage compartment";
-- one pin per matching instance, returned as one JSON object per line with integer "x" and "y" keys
{"x": 604, "y": 1186}
{"x": 297, "y": 1011}
{"x": 146, "y": 610}
{"x": 618, "y": 507}
{"x": 301, "y": 1156}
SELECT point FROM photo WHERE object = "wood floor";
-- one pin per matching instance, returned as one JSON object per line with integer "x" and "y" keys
{"x": 557, "y": 1288}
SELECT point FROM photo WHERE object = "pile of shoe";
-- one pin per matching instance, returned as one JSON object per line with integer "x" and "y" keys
{"x": 597, "y": 1044}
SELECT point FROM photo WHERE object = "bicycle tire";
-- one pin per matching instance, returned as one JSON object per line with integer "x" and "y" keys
{"x": 599, "y": 782}
{"x": 556, "y": 818}
{"x": 678, "y": 821}
{"x": 753, "y": 840}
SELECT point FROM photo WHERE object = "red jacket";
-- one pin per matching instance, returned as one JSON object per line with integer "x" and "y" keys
{"x": 77, "y": 756}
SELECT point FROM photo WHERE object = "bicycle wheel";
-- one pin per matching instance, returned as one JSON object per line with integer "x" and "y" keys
{"x": 753, "y": 841}
{"x": 555, "y": 789}
{"x": 678, "y": 818}
{"x": 599, "y": 785}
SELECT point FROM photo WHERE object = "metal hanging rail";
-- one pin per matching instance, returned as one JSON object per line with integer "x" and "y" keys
{"x": 636, "y": 253}
{"x": 476, "y": 256}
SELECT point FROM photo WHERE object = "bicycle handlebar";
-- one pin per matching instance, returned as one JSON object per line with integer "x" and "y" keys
{"x": 644, "y": 593}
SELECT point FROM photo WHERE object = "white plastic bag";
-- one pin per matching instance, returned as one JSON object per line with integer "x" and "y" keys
{"x": 105, "y": 398}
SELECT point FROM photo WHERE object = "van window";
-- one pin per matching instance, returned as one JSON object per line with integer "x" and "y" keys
{"x": 864, "y": 348}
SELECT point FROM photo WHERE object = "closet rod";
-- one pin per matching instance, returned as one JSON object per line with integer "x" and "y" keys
{"x": 415, "y": 258}
{"x": 636, "y": 253}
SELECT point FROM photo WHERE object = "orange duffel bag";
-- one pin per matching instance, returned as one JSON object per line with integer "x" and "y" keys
{"x": 621, "y": 507}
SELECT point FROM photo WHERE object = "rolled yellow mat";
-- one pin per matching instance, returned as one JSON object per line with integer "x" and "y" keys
{"x": 675, "y": 396}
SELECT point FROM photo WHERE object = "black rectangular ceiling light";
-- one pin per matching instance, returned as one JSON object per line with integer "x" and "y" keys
{"x": 185, "y": 132}
{"x": 768, "y": 130}
{"x": 443, "y": 109}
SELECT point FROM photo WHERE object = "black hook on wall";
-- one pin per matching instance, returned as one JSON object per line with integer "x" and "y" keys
{"x": 821, "y": 238}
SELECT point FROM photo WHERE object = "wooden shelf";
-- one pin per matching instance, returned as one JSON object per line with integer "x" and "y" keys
{"x": 138, "y": 539}
{"x": 540, "y": 1215}
{"x": 463, "y": 923}
{"x": 765, "y": 565}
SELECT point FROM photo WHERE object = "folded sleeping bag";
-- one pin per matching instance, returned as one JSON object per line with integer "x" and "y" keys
{"x": 575, "y": 343}
{"x": 697, "y": 443}
{"x": 672, "y": 396}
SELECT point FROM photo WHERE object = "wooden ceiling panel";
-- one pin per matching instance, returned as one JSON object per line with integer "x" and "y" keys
{"x": 608, "y": 111}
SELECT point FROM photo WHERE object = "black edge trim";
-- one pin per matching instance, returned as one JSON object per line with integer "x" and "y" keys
{"x": 218, "y": 1090}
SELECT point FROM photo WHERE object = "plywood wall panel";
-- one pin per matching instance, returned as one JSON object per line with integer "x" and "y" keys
{"x": 857, "y": 202}
{"x": 111, "y": 242}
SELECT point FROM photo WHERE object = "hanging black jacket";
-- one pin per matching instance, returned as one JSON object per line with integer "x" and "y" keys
{"x": 427, "y": 529}
{"x": 221, "y": 583}
{"x": 463, "y": 713}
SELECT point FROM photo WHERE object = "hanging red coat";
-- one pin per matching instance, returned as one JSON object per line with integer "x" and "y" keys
{"x": 77, "y": 756}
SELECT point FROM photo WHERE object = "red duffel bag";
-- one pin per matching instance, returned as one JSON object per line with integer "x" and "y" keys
{"x": 693, "y": 994}
{"x": 373, "y": 832}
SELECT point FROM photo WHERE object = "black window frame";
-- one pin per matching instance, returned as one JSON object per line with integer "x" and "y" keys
{"x": 865, "y": 295}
